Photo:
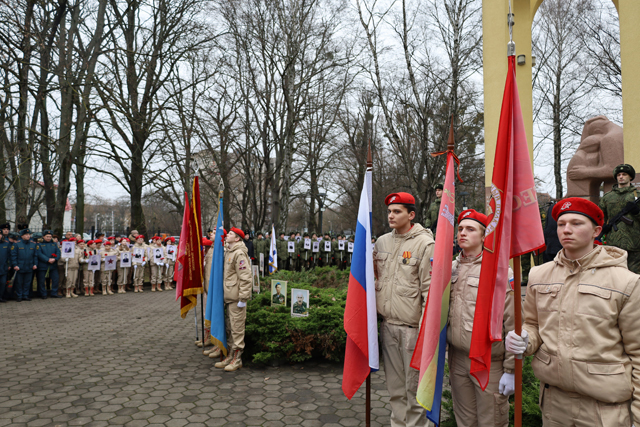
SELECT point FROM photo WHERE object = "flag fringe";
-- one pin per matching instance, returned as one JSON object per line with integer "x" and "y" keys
{"x": 184, "y": 310}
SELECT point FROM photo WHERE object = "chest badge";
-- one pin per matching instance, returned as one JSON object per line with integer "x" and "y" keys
{"x": 406, "y": 255}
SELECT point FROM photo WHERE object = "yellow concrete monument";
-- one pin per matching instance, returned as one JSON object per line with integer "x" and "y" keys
{"x": 496, "y": 36}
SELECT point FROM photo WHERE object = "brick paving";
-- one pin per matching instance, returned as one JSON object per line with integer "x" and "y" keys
{"x": 129, "y": 360}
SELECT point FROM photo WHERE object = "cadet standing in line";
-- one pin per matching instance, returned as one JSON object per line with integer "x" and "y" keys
{"x": 281, "y": 247}
{"x": 471, "y": 405}
{"x": 123, "y": 272}
{"x": 237, "y": 291}
{"x": 72, "y": 270}
{"x": 156, "y": 264}
{"x": 5, "y": 265}
{"x": 170, "y": 262}
{"x": 106, "y": 277}
{"x": 402, "y": 262}
{"x": 581, "y": 323}
{"x": 623, "y": 195}
{"x": 139, "y": 263}
{"x": 24, "y": 261}
{"x": 48, "y": 254}
{"x": 87, "y": 274}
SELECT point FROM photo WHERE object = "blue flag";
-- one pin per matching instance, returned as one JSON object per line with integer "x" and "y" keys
{"x": 215, "y": 299}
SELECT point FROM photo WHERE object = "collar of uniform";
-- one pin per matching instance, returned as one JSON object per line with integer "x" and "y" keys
{"x": 470, "y": 259}
{"x": 623, "y": 190}
{"x": 582, "y": 262}
{"x": 406, "y": 235}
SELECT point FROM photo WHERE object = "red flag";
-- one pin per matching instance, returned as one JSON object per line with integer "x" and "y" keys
{"x": 192, "y": 260}
{"x": 179, "y": 267}
{"x": 514, "y": 227}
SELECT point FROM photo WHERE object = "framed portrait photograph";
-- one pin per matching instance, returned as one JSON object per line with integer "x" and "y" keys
{"x": 278, "y": 292}
{"x": 299, "y": 302}
{"x": 316, "y": 246}
{"x": 94, "y": 263}
{"x": 125, "y": 259}
{"x": 68, "y": 249}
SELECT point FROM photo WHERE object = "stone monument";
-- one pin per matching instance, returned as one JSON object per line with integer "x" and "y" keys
{"x": 601, "y": 149}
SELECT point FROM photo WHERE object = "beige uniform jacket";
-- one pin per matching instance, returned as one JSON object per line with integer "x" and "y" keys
{"x": 403, "y": 274}
{"x": 208, "y": 259}
{"x": 583, "y": 320}
{"x": 152, "y": 254}
{"x": 465, "y": 277}
{"x": 237, "y": 273}
{"x": 122, "y": 247}
{"x": 74, "y": 262}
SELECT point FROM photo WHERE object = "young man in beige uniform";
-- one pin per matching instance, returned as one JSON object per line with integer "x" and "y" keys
{"x": 170, "y": 262}
{"x": 237, "y": 291}
{"x": 106, "y": 276}
{"x": 73, "y": 264}
{"x": 138, "y": 263}
{"x": 156, "y": 263}
{"x": 582, "y": 323}
{"x": 123, "y": 272}
{"x": 402, "y": 261}
{"x": 471, "y": 405}
{"x": 88, "y": 275}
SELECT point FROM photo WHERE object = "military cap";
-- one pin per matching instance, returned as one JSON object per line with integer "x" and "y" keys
{"x": 400, "y": 198}
{"x": 25, "y": 231}
{"x": 628, "y": 169}
{"x": 473, "y": 215}
{"x": 45, "y": 232}
{"x": 239, "y": 232}
{"x": 438, "y": 187}
{"x": 5, "y": 225}
{"x": 581, "y": 206}
{"x": 14, "y": 235}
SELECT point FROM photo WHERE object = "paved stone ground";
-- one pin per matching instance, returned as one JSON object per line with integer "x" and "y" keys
{"x": 129, "y": 360}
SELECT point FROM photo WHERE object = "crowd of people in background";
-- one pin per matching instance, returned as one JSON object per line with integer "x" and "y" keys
{"x": 297, "y": 252}
{"x": 32, "y": 265}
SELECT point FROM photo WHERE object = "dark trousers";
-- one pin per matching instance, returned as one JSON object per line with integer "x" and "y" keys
{"x": 22, "y": 284}
{"x": 9, "y": 290}
{"x": 55, "y": 280}
{"x": 3, "y": 285}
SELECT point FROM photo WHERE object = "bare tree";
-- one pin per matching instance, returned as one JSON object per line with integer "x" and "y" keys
{"x": 560, "y": 82}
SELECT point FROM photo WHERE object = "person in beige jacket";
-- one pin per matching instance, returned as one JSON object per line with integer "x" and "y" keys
{"x": 471, "y": 405}
{"x": 402, "y": 263}
{"x": 139, "y": 260}
{"x": 123, "y": 272}
{"x": 156, "y": 262}
{"x": 170, "y": 262}
{"x": 106, "y": 276}
{"x": 73, "y": 264}
{"x": 582, "y": 324}
{"x": 237, "y": 291}
{"x": 88, "y": 275}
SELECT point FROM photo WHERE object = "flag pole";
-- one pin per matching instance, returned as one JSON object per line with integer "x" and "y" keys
{"x": 368, "y": 383}
{"x": 517, "y": 308}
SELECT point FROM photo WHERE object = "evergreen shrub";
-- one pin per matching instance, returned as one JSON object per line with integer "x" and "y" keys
{"x": 272, "y": 335}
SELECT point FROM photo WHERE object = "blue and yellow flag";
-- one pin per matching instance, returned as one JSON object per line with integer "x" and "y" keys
{"x": 215, "y": 299}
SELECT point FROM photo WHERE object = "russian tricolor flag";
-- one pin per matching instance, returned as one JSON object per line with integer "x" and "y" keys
{"x": 360, "y": 320}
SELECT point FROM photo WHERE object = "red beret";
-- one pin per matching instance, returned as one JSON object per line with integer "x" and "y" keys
{"x": 156, "y": 238}
{"x": 90, "y": 242}
{"x": 72, "y": 239}
{"x": 80, "y": 241}
{"x": 124, "y": 239}
{"x": 400, "y": 198}
{"x": 581, "y": 206}
{"x": 238, "y": 232}
{"x": 206, "y": 242}
{"x": 474, "y": 215}
{"x": 140, "y": 236}
{"x": 172, "y": 239}
{"x": 112, "y": 237}
{"x": 107, "y": 242}
{"x": 97, "y": 241}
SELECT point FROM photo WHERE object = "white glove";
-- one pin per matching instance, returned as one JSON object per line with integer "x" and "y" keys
{"x": 507, "y": 384}
{"x": 517, "y": 344}
{"x": 159, "y": 263}
{"x": 143, "y": 263}
{"x": 242, "y": 304}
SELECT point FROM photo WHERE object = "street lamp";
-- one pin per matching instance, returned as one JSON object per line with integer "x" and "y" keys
{"x": 321, "y": 199}
{"x": 464, "y": 195}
